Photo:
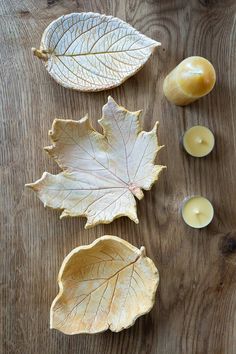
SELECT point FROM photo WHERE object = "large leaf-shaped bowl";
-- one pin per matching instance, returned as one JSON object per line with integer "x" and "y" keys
{"x": 102, "y": 173}
{"x": 105, "y": 285}
{"x": 92, "y": 52}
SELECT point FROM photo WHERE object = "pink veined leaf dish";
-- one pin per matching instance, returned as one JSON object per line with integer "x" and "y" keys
{"x": 101, "y": 173}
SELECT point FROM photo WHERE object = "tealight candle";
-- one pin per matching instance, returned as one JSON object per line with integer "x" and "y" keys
{"x": 197, "y": 211}
{"x": 198, "y": 141}
{"x": 193, "y": 78}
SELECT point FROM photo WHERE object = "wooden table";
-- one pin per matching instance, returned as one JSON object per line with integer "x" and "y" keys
{"x": 195, "y": 309}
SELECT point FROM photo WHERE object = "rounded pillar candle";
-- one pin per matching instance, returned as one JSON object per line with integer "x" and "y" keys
{"x": 198, "y": 141}
{"x": 197, "y": 212}
{"x": 193, "y": 78}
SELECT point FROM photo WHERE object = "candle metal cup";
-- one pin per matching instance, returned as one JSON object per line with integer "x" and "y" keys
{"x": 198, "y": 217}
{"x": 198, "y": 141}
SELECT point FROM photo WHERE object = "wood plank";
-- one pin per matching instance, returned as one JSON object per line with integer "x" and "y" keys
{"x": 195, "y": 310}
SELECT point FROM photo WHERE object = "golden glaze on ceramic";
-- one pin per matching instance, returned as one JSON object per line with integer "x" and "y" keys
{"x": 105, "y": 285}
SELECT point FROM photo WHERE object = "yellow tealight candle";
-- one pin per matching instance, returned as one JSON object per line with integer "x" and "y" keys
{"x": 193, "y": 78}
{"x": 198, "y": 141}
{"x": 197, "y": 212}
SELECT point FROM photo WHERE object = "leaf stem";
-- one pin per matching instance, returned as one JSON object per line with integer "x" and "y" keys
{"x": 143, "y": 251}
{"x": 41, "y": 54}
{"x": 136, "y": 191}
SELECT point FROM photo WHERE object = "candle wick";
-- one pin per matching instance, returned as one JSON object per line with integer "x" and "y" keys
{"x": 200, "y": 140}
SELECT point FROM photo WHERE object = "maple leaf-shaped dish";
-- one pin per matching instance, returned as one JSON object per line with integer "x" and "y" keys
{"x": 92, "y": 52}
{"x": 101, "y": 172}
{"x": 107, "y": 284}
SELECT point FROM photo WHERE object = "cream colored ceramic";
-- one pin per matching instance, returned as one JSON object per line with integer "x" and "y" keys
{"x": 105, "y": 285}
{"x": 102, "y": 173}
{"x": 92, "y": 52}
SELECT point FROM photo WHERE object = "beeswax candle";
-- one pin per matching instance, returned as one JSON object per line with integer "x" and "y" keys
{"x": 193, "y": 78}
{"x": 197, "y": 211}
{"x": 198, "y": 141}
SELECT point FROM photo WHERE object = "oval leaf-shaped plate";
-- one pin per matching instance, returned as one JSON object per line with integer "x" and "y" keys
{"x": 107, "y": 284}
{"x": 92, "y": 52}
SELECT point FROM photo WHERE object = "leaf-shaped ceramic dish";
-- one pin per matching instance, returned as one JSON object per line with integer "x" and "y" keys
{"x": 107, "y": 284}
{"x": 92, "y": 52}
{"x": 101, "y": 173}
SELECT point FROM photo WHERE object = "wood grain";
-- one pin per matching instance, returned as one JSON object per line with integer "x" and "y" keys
{"x": 195, "y": 310}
